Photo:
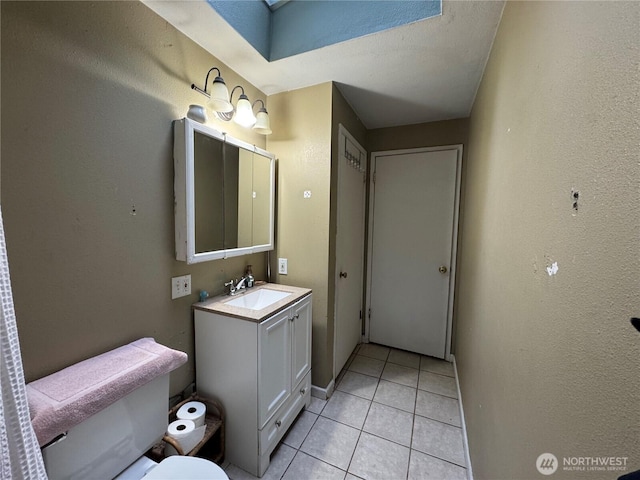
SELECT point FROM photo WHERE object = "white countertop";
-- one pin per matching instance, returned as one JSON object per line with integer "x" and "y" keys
{"x": 219, "y": 304}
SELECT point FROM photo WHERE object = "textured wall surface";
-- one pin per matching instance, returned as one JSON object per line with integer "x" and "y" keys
{"x": 298, "y": 27}
{"x": 251, "y": 19}
{"x": 301, "y": 140}
{"x": 549, "y": 363}
{"x": 432, "y": 134}
{"x": 89, "y": 91}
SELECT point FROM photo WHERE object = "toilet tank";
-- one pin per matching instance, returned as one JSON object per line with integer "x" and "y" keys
{"x": 108, "y": 442}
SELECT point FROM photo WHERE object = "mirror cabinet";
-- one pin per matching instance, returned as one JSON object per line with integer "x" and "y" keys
{"x": 224, "y": 194}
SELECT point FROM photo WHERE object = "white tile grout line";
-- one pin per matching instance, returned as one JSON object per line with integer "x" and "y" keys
{"x": 467, "y": 456}
{"x": 411, "y": 449}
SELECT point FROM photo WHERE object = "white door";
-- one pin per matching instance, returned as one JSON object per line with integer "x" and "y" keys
{"x": 413, "y": 237}
{"x": 350, "y": 246}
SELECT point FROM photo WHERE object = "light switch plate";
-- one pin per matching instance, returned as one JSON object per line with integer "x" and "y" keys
{"x": 180, "y": 286}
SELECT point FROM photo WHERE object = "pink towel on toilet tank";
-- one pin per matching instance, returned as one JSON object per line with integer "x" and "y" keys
{"x": 64, "y": 399}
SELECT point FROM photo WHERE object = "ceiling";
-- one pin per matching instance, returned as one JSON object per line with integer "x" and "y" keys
{"x": 425, "y": 71}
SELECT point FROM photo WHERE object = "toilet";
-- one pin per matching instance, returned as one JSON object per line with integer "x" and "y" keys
{"x": 176, "y": 467}
{"x": 111, "y": 444}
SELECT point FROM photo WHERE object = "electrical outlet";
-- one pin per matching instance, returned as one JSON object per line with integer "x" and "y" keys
{"x": 180, "y": 286}
{"x": 282, "y": 266}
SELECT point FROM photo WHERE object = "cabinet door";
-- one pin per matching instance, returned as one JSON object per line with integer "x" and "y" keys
{"x": 274, "y": 364}
{"x": 301, "y": 339}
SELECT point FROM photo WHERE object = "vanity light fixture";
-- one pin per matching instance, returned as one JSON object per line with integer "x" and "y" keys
{"x": 262, "y": 124}
{"x": 222, "y": 103}
{"x": 219, "y": 96}
{"x": 244, "y": 113}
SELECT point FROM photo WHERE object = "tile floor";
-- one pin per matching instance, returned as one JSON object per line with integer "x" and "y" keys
{"x": 393, "y": 415}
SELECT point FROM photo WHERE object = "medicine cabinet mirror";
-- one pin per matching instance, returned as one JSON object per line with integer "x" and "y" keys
{"x": 224, "y": 194}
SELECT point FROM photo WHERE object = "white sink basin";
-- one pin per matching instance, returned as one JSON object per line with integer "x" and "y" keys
{"x": 259, "y": 299}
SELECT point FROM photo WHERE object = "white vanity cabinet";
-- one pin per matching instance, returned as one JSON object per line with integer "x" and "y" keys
{"x": 259, "y": 369}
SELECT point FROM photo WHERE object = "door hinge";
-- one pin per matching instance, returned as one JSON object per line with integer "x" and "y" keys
{"x": 369, "y": 314}
{"x": 360, "y": 317}
{"x": 374, "y": 177}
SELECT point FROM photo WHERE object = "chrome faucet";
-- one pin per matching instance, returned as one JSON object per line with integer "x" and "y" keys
{"x": 241, "y": 284}
{"x": 238, "y": 287}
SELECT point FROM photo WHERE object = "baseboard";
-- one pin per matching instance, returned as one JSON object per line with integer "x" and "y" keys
{"x": 323, "y": 393}
{"x": 465, "y": 440}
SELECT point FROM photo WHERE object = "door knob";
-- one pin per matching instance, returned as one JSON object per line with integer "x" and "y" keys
{"x": 442, "y": 269}
{"x": 343, "y": 274}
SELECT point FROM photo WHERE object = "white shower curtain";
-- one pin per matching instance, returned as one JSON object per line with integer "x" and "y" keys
{"x": 21, "y": 457}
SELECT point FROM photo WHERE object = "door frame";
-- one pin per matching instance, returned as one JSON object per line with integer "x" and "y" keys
{"x": 454, "y": 235}
{"x": 343, "y": 133}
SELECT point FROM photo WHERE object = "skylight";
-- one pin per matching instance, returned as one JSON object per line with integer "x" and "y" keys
{"x": 307, "y": 25}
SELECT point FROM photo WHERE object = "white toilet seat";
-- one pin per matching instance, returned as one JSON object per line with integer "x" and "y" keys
{"x": 179, "y": 467}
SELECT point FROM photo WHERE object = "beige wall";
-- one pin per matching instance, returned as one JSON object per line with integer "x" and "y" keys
{"x": 342, "y": 113}
{"x": 301, "y": 140}
{"x": 547, "y": 363}
{"x": 89, "y": 91}
{"x": 305, "y": 124}
{"x": 432, "y": 134}
{"x": 550, "y": 363}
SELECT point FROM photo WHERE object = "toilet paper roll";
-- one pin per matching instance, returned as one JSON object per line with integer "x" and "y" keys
{"x": 186, "y": 433}
{"x": 194, "y": 411}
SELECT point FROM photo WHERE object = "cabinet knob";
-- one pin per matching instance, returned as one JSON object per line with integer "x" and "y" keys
{"x": 442, "y": 269}
{"x": 343, "y": 274}
{"x": 303, "y": 391}
{"x": 278, "y": 423}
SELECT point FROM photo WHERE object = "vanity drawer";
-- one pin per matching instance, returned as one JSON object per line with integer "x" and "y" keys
{"x": 277, "y": 426}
